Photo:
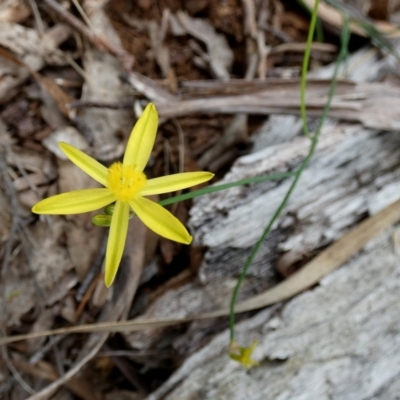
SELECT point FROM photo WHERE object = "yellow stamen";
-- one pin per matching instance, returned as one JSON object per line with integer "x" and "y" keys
{"x": 124, "y": 181}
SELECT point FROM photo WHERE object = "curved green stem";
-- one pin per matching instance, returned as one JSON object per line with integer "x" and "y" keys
{"x": 345, "y": 35}
{"x": 304, "y": 69}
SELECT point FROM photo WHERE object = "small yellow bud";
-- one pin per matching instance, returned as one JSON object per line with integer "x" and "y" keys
{"x": 243, "y": 354}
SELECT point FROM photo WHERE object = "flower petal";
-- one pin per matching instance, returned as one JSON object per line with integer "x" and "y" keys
{"x": 142, "y": 139}
{"x": 160, "y": 220}
{"x": 116, "y": 240}
{"x": 86, "y": 163}
{"x": 75, "y": 202}
{"x": 171, "y": 183}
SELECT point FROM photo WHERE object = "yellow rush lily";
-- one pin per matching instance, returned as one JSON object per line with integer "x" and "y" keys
{"x": 126, "y": 185}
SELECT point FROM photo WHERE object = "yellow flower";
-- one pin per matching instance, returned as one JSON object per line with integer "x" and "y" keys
{"x": 126, "y": 185}
{"x": 243, "y": 354}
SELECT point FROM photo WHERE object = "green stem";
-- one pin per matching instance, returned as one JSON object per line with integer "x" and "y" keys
{"x": 345, "y": 35}
{"x": 304, "y": 69}
{"x": 225, "y": 186}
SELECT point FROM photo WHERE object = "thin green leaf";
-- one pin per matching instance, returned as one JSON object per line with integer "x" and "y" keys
{"x": 345, "y": 36}
{"x": 225, "y": 186}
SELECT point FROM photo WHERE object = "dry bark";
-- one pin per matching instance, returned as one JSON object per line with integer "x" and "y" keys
{"x": 354, "y": 173}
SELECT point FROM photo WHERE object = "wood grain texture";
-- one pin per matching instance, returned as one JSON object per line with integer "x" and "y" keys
{"x": 337, "y": 341}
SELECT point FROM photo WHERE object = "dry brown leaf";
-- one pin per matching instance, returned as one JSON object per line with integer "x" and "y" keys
{"x": 61, "y": 98}
{"x": 66, "y": 134}
{"x": 103, "y": 82}
{"x": 82, "y": 238}
{"x": 102, "y": 27}
{"x": 50, "y": 261}
{"x": 334, "y": 17}
{"x": 221, "y": 55}
{"x": 27, "y": 44}
{"x": 44, "y": 370}
{"x": 14, "y": 11}
{"x": 19, "y": 294}
{"x": 44, "y": 321}
{"x": 35, "y": 179}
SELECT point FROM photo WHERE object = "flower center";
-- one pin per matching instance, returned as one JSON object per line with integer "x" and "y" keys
{"x": 124, "y": 181}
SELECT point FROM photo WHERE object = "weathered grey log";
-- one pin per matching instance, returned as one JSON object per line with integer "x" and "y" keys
{"x": 354, "y": 173}
{"x": 338, "y": 341}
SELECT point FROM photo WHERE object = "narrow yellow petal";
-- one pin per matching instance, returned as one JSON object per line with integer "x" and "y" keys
{"x": 75, "y": 202}
{"x": 142, "y": 139}
{"x": 160, "y": 220}
{"x": 116, "y": 240}
{"x": 86, "y": 163}
{"x": 171, "y": 183}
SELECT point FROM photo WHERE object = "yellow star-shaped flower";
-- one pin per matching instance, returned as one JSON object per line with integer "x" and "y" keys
{"x": 126, "y": 185}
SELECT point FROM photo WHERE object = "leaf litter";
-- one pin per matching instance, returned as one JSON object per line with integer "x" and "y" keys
{"x": 82, "y": 72}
